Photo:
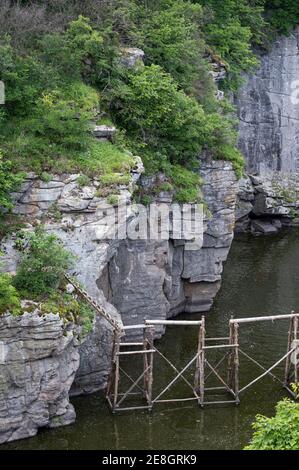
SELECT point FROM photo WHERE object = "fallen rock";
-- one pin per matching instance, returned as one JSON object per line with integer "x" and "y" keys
{"x": 263, "y": 226}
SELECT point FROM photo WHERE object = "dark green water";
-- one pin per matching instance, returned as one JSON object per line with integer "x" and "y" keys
{"x": 261, "y": 278}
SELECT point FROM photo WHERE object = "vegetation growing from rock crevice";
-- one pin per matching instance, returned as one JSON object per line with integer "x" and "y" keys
{"x": 40, "y": 277}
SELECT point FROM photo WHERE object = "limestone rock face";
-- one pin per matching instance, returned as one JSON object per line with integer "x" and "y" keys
{"x": 269, "y": 110}
{"x": 38, "y": 362}
{"x": 161, "y": 279}
{"x": 203, "y": 268}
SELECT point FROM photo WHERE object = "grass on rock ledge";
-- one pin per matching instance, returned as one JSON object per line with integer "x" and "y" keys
{"x": 40, "y": 278}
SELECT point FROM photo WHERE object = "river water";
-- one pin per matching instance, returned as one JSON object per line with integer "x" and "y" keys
{"x": 261, "y": 277}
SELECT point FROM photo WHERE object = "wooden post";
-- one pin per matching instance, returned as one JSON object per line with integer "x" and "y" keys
{"x": 116, "y": 368}
{"x": 111, "y": 378}
{"x": 145, "y": 364}
{"x": 150, "y": 335}
{"x": 197, "y": 366}
{"x": 236, "y": 362}
{"x": 230, "y": 370}
{"x": 201, "y": 363}
{"x": 288, "y": 359}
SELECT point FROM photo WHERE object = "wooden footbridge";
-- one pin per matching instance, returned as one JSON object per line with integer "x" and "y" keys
{"x": 200, "y": 363}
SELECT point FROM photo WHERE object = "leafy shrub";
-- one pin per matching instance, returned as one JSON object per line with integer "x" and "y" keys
{"x": 63, "y": 116}
{"x": 280, "y": 432}
{"x": 83, "y": 180}
{"x": 42, "y": 265}
{"x": 173, "y": 40}
{"x": 9, "y": 297}
{"x": 231, "y": 30}
{"x": 8, "y": 183}
{"x": 282, "y": 15}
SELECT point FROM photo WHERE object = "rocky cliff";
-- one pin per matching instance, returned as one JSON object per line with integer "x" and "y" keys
{"x": 268, "y": 108}
{"x": 38, "y": 361}
{"x": 134, "y": 279}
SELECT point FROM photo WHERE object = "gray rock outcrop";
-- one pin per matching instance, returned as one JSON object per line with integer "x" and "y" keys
{"x": 267, "y": 203}
{"x": 134, "y": 279}
{"x": 39, "y": 358}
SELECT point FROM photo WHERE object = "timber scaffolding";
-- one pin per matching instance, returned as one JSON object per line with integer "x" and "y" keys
{"x": 202, "y": 366}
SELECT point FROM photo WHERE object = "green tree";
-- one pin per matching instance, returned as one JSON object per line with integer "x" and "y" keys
{"x": 158, "y": 116}
{"x": 280, "y": 432}
{"x": 282, "y": 15}
{"x": 231, "y": 30}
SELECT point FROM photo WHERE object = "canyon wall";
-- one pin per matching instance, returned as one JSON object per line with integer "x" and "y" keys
{"x": 268, "y": 110}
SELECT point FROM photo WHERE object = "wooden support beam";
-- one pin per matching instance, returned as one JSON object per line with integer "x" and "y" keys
{"x": 260, "y": 365}
{"x": 176, "y": 378}
{"x": 177, "y": 371}
{"x": 220, "y": 378}
{"x": 173, "y": 322}
{"x": 266, "y": 318}
{"x": 224, "y": 402}
{"x": 130, "y": 389}
{"x": 136, "y": 327}
{"x": 132, "y": 353}
{"x": 201, "y": 360}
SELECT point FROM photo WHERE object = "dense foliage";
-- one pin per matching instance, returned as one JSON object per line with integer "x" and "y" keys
{"x": 42, "y": 266}
{"x": 280, "y": 432}
{"x": 9, "y": 297}
{"x": 8, "y": 182}
{"x": 60, "y": 62}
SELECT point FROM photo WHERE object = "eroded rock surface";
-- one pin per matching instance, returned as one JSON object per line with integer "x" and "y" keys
{"x": 39, "y": 358}
{"x": 269, "y": 111}
{"x": 161, "y": 279}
